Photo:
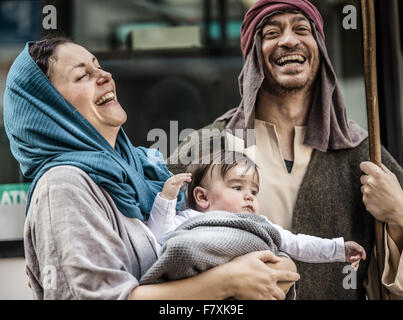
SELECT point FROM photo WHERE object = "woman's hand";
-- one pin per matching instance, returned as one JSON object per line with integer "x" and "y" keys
{"x": 382, "y": 193}
{"x": 252, "y": 279}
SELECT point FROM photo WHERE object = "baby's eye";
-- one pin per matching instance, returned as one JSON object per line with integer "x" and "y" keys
{"x": 237, "y": 187}
{"x": 255, "y": 192}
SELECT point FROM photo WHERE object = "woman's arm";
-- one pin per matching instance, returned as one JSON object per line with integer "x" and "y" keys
{"x": 245, "y": 277}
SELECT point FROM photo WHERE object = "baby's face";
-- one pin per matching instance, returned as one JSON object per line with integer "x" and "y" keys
{"x": 236, "y": 192}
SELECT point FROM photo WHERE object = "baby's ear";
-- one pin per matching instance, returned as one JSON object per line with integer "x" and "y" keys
{"x": 201, "y": 198}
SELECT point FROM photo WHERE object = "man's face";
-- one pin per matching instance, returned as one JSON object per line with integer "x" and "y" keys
{"x": 290, "y": 52}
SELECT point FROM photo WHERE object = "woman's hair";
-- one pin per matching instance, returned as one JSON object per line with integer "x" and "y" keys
{"x": 224, "y": 161}
{"x": 42, "y": 50}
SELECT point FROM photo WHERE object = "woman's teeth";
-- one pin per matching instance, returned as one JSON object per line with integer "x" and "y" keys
{"x": 105, "y": 98}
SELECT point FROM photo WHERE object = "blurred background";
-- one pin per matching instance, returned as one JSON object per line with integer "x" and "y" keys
{"x": 178, "y": 60}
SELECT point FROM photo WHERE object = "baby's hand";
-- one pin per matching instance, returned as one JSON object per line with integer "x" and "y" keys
{"x": 172, "y": 186}
{"x": 354, "y": 253}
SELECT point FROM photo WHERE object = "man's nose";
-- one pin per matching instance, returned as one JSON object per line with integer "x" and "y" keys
{"x": 103, "y": 77}
{"x": 288, "y": 39}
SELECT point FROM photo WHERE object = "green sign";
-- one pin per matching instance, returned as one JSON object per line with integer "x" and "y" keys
{"x": 13, "y": 194}
{"x": 13, "y": 202}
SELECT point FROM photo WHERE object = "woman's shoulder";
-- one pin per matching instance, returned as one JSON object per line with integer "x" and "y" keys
{"x": 60, "y": 181}
{"x": 68, "y": 188}
{"x": 65, "y": 175}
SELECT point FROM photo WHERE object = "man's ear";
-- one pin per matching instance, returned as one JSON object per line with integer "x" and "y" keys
{"x": 201, "y": 198}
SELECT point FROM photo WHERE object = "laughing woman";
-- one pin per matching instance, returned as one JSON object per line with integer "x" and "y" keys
{"x": 84, "y": 235}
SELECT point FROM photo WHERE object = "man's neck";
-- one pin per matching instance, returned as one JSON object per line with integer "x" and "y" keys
{"x": 285, "y": 112}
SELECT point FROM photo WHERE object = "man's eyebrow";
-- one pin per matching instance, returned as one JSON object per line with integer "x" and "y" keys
{"x": 82, "y": 64}
{"x": 293, "y": 20}
{"x": 298, "y": 19}
{"x": 273, "y": 23}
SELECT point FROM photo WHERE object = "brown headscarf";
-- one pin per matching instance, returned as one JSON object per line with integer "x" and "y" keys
{"x": 327, "y": 125}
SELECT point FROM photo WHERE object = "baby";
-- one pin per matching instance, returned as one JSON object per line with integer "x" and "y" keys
{"x": 233, "y": 187}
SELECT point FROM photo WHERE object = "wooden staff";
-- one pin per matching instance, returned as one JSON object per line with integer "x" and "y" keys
{"x": 371, "y": 90}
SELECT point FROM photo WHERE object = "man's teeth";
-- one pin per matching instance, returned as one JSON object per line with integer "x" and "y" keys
{"x": 105, "y": 98}
{"x": 294, "y": 58}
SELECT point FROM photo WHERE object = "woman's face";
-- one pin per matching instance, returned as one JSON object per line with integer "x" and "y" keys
{"x": 77, "y": 75}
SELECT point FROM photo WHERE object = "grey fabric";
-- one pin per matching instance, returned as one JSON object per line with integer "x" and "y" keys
{"x": 209, "y": 240}
{"x": 77, "y": 243}
{"x": 327, "y": 126}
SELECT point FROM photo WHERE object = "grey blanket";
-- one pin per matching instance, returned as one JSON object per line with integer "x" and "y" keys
{"x": 209, "y": 240}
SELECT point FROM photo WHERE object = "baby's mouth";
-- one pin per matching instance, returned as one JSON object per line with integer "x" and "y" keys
{"x": 249, "y": 208}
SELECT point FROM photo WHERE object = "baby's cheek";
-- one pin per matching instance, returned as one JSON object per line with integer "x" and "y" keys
{"x": 234, "y": 203}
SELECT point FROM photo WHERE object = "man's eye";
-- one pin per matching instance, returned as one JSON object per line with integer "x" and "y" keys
{"x": 270, "y": 33}
{"x": 303, "y": 29}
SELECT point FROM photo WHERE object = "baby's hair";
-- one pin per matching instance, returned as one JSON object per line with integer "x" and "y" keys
{"x": 224, "y": 160}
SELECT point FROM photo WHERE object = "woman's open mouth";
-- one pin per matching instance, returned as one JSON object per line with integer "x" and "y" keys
{"x": 106, "y": 99}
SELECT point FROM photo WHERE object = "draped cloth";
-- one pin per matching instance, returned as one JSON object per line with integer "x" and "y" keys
{"x": 45, "y": 131}
{"x": 327, "y": 125}
{"x": 211, "y": 239}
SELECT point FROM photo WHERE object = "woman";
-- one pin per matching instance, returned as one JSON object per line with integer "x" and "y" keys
{"x": 84, "y": 236}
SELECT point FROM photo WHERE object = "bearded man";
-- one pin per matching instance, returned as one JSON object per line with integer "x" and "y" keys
{"x": 312, "y": 160}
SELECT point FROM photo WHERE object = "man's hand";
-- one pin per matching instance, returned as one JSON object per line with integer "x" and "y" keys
{"x": 382, "y": 193}
{"x": 172, "y": 186}
{"x": 354, "y": 253}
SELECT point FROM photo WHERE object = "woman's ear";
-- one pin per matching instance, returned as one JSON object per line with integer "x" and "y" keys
{"x": 201, "y": 198}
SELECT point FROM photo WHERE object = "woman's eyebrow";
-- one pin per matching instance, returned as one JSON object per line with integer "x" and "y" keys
{"x": 82, "y": 64}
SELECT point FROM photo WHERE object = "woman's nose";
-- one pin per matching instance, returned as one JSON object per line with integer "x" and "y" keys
{"x": 103, "y": 77}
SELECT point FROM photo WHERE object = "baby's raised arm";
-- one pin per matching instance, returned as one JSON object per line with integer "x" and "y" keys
{"x": 162, "y": 215}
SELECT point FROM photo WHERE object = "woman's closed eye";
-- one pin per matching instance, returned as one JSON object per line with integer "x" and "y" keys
{"x": 82, "y": 77}
{"x": 88, "y": 73}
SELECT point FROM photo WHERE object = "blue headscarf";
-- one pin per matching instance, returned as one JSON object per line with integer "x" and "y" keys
{"x": 46, "y": 131}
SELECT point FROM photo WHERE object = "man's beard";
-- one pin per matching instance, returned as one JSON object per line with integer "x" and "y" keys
{"x": 270, "y": 84}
